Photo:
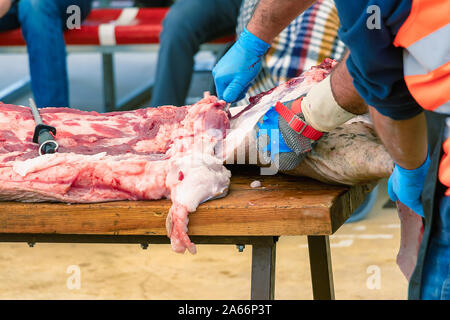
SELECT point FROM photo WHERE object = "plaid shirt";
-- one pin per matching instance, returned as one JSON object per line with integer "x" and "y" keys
{"x": 304, "y": 43}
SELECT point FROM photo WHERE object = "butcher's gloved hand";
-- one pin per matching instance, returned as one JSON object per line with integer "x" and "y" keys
{"x": 300, "y": 123}
{"x": 284, "y": 138}
{"x": 407, "y": 185}
{"x": 235, "y": 72}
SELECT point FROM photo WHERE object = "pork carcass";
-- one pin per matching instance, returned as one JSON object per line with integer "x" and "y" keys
{"x": 350, "y": 154}
{"x": 146, "y": 154}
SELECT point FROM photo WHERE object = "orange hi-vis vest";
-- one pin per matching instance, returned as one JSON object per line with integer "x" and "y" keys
{"x": 425, "y": 37}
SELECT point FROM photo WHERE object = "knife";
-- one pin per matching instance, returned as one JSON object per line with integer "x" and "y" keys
{"x": 43, "y": 133}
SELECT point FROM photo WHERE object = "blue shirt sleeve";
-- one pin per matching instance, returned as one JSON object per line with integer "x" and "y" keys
{"x": 375, "y": 64}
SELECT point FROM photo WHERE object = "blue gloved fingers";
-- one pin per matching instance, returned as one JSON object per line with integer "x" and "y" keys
{"x": 220, "y": 87}
{"x": 270, "y": 128}
{"x": 233, "y": 88}
{"x": 414, "y": 204}
{"x": 236, "y": 90}
{"x": 233, "y": 91}
{"x": 406, "y": 186}
{"x": 235, "y": 72}
{"x": 391, "y": 192}
{"x": 244, "y": 92}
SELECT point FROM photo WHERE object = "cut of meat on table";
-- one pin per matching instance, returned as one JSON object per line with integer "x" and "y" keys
{"x": 165, "y": 152}
{"x": 350, "y": 154}
{"x": 244, "y": 119}
{"x": 145, "y": 154}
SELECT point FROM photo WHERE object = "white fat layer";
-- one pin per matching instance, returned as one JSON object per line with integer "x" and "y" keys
{"x": 204, "y": 177}
{"x": 50, "y": 160}
{"x": 241, "y": 126}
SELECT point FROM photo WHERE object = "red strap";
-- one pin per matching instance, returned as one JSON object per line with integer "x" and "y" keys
{"x": 296, "y": 106}
{"x": 297, "y": 124}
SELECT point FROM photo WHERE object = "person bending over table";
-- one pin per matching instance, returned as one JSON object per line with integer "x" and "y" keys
{"x": 43, "y": 23}
{"x": 391, "y": 69}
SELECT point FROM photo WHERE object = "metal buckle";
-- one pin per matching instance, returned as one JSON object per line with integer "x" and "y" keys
{"x": 304, "y": 123}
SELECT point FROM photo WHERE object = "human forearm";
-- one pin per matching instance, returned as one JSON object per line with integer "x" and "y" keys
{"x": 344, "y": 91}
{"x": 235, "y": 72}
{"x": 333, "y": 101}
{"x": 5, "y": 5}
{"x": 405, "y": 140}
{"x": 272, "y": 16}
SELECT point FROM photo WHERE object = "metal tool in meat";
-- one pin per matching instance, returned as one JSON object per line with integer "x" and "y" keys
{"x": 43, "y": 133}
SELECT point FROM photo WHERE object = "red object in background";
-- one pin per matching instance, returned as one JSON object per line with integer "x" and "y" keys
{"x": 143, "y": 29}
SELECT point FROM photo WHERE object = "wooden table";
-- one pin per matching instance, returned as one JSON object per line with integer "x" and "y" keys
{"x": 283, "y": 206}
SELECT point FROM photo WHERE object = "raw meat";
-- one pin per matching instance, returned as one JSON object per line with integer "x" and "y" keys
{"x": 350, "y": 154}
{"x": 244, "y": 119}
{"x": 138, "y": 155}
{"x": 167, "y": 152}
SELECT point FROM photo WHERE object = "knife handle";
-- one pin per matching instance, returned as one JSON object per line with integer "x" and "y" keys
{"x": 41, "y": 128}
{"x": 43, "y": 136}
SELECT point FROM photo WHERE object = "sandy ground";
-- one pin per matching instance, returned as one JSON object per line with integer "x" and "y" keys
{"x": 363, "y": 257}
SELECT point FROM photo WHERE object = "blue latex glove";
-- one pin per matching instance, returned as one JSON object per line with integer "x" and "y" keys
{"x": 275, "y": 143}
{"x": 407, "y": 185}
{"x": 235, "y": 72}
{"x": 277, "y": 139}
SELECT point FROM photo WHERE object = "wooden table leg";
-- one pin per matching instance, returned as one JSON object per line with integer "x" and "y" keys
{"x": 321, "y": 271}
{"x": 263, "y": 271}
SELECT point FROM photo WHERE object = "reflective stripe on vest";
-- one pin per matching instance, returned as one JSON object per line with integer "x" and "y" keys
{"x": 425, "y": 37}
{"x": 426, "y": 59}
